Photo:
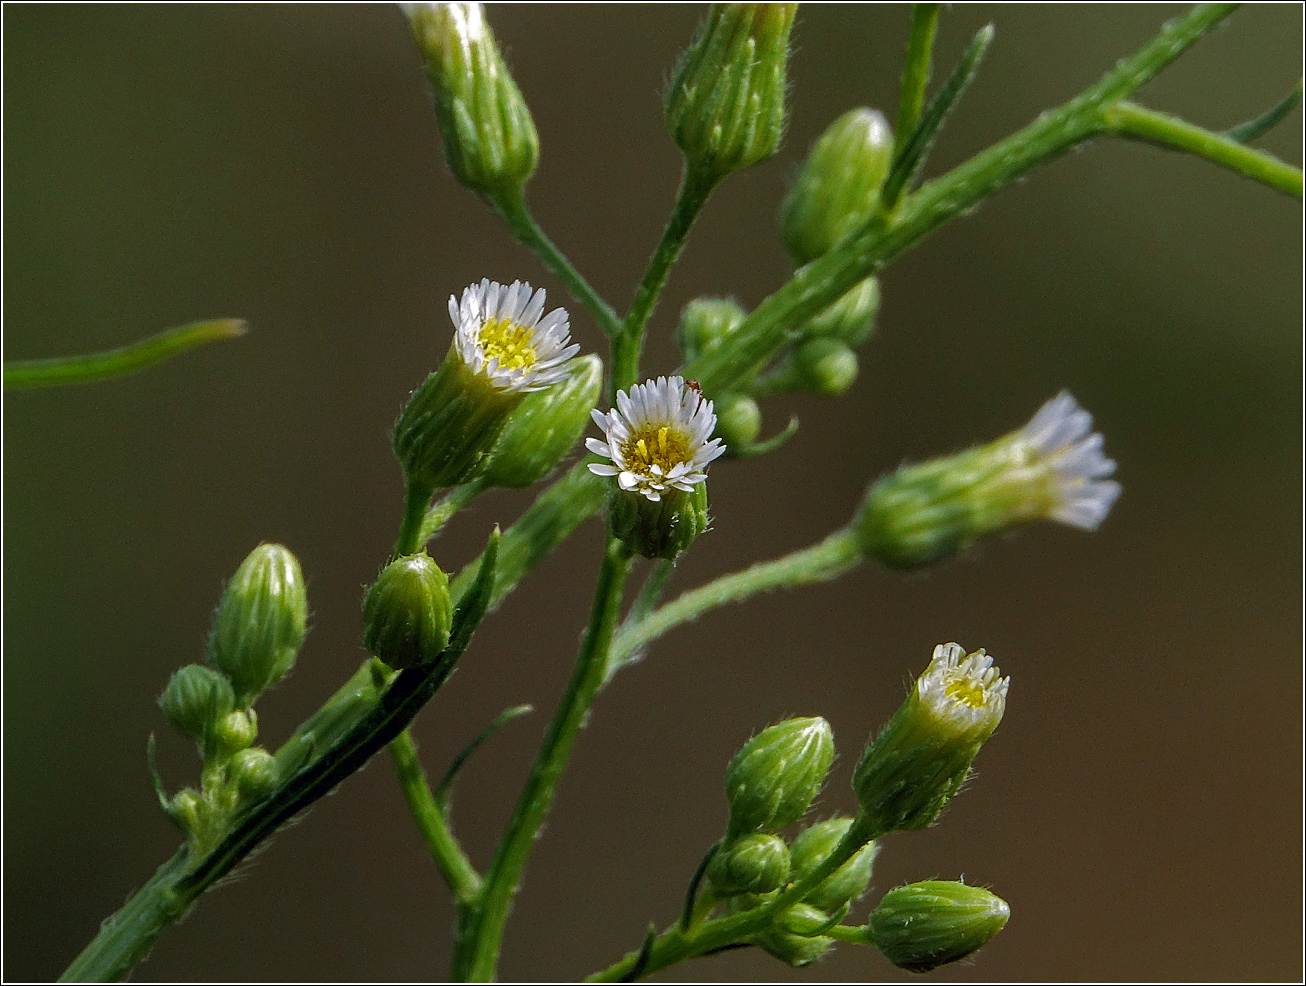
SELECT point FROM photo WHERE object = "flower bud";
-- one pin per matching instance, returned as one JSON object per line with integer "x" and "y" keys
{"x": 254, "y": 772}
{"x": 846, "y": 884}
{"x": 838, "y": 188}
{"x": 751, "y": 864}
{"x": 186, "y": 809}
{"x": 922, "y": 926}
{"x": 407, "y": 612}
{"x": 825, "y": 366}
{"x": 504, "y": 348}
{"x": 738, "y": 420}
{"x": 921, "y": 758}
{"x": 661, "y": 528}
{"x": 235, "y": 732}
{"x": 195, "y": 700}
{"x": 726, "y": 104}
{"x": 773, "y": 779}
{"x": 489, "y": 136}
{"x": 545, "y": 427}
{"x": 795, "y": 947}
{"x": 260, "y": 622}
{"x": 851, "y": 319}
{"x": 706, "y": 323}
{"x": 1052, "y": 468}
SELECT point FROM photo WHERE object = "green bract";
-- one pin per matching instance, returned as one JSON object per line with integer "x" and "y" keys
{"x": 662, "y": 528}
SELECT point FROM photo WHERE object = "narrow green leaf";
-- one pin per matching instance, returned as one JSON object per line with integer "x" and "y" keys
{"x": 1249, "y": 131}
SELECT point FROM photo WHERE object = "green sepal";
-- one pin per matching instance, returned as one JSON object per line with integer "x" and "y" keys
{"x": 662, "y": 528}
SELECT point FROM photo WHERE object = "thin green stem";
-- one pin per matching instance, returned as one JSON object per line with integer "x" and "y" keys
{"x": 695, "y": 187}
{"x": 677, "y": 945}
{"x": 821, "y": 562}
{"x": 849, "y": 933}
{"x": 449, "y": 857}
{"x": 121, "y": 361}
{"x": 476, "y": 954}
{"x": 527, "y": 230}
{"x": 417, "y": 499}
{"x": 650, "y": 592}
{"x": 916, "y": 70}
{"x": 443, "y": 509}
{"x": 1131, "y": 120}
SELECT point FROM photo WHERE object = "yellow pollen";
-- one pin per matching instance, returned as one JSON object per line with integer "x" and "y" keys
{"x": 660, "y": 446}
{"x": 509, "y": 343}
{"x": 965, "y": 690}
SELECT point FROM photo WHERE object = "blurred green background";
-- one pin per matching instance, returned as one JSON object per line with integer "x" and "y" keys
{"x": 1140, "y": 806}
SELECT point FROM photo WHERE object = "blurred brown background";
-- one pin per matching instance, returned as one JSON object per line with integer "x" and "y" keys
{"x": 1140, "y": 806}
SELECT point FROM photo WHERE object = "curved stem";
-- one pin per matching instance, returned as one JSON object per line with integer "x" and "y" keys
{"x": 1131, "y": 120}
{"x": 820, "y": 563}
{"x": 476, "y": 955}
{"x": 695, "y": 187}
{"x": 528, "y": 231}
{"x": 121, "y": 361}
{"x": 449, "y": 857}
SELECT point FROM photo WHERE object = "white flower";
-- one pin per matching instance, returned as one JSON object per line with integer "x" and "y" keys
{"x": 965, "y": 692}
{"x": 1055, "y": 440}
{"x": 501, "y": 336}
{"x": 657, "y": 438}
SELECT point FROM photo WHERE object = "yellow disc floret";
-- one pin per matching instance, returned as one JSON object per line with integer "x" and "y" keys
{"x": 504, "y": 340}
{"x": 966, "y": 690}
{"x": 662, "y": 446}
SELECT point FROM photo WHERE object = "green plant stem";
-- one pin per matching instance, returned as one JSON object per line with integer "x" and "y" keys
{"x": 916, "y": 70}
{"x": 121, "y": 361}
{"x": 528, "y": 231}
{"x": 695, "y": 187}
{"x": 676, "y": 944}
{"x": 863, "y": 253}
{"x": 650, "y": 592}
{"x": 476, "y": 953}
{"x": 1131, "y": 120}
{"x": 449, "y": 857}
{"x": 443, "y": 509}
{"x": 417, "y": 498}
{"x": 821, "y": 562}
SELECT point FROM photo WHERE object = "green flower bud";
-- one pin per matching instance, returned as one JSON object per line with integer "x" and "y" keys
{"x": 407, "y": 613}
{"x": 794, "y": 946}
{"x": 921, "y": 758}
{"x": 489, "y": 136}
{"x": 235, "y": 732}
{"x": 254, "y": 772}
{"x": 187, "y": 809}
{"x": 922, "y": 926}
{"x": 773, "y": 779}
{"x": 660, "y": 528}
{"x": 726, "y": 104}
{"x": 1052, "y": 468}
{"x": 260, "y": 622}
{"x": 195, "y": 700}
{"x": 851, "y": 319}
{"x": 706, "y": 323}
{"x": 751, "y": 864}
{"x": 504, "y": 348}
{"x": 825, "y": 366}
{"x": 846, "y": 884}
{"x": 738, "y": 420}
{"x": 838, "y": 188}
{"x": 545, "y": 427}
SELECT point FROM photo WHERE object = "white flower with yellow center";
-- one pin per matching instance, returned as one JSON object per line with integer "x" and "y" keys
{"x": 503, "y": 336}
{"x": 965, "y": 692}
{"x": 657, "y": 438}
{"x": 1057, "y": 442}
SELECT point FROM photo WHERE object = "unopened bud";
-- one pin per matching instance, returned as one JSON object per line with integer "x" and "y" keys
{"x": 407, "y": 612}
{"x": 773, "y": 779}
{"x": 738, "y": 420}
{"x": 825, "y": 366}
{"x": 195, "y": 700}
{"x": 838, "y": 188}
{"x": 489, "y": 136}
{"x": 186, "y": 809}
{"x": 235, "y": 732}
{"x": 545, "y": 427}
{"x": 726, "y": 104}
{"x": 751, "y": 864}
{"x": 851, "y": 319}
{"x": 254, "y": 772}
{"x": 789, "y": 939}
{"x": 260, "y": 622}
{"x": 846, "y": 884}
{"x": 922, "y": 926}
{"x": 706, "y": 323}
{"x": 921, "y": 758}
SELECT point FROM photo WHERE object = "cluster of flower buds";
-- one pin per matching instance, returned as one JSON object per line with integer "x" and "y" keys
{"x": 1053, "y": 468}
{"x": 257, "y": 631}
